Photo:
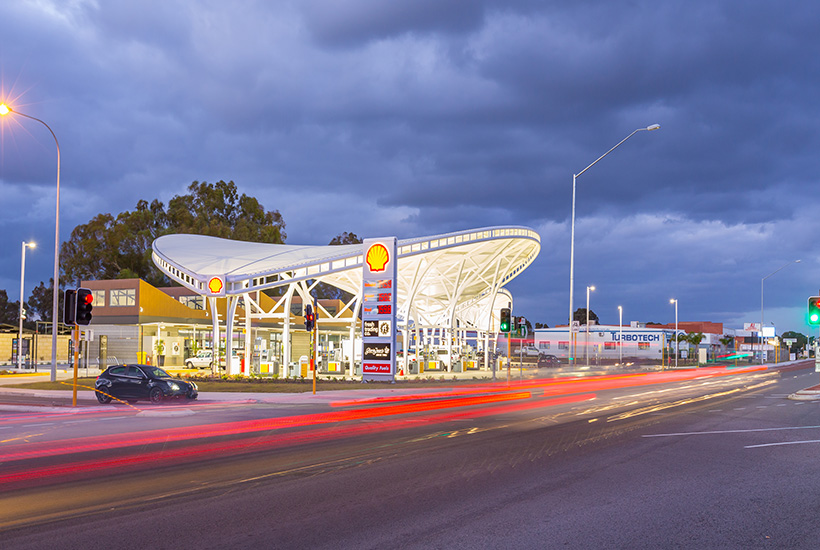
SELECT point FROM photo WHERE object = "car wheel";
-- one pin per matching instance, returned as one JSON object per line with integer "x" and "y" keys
{"x": 103, "y": 398}
{"x": 211, "y": 365}
{"x": 189, "y": 365}
{"x": 155, "y": 395}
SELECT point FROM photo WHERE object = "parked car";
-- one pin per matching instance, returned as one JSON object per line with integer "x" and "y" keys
{"x": 547, "y": 360}
{"x": 202, "y": 360}
{"x": 528, "y": 351}
{"x": 141, "y": 382}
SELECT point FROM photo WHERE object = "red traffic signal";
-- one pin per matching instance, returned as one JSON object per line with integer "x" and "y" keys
{"x": 310, "y": 318}
{"x": 85, "y": 300}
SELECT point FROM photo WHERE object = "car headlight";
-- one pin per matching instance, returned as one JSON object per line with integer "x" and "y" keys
{"x": 174, "y": 386}
{"x": 193, "y": 385}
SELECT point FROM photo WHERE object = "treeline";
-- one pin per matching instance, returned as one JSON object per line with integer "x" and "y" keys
{"x": 119, "y": 247}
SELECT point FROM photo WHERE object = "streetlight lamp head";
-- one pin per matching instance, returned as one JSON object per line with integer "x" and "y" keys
{"x": 672, "y": 300}
{"x": 31, "y": 245}
{"x": 4, "y": 109}
{"x": 654, "y": 127}
{"x": 592, "y": 287}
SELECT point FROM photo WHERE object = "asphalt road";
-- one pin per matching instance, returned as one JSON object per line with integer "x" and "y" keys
{"x": 728, "y": 463}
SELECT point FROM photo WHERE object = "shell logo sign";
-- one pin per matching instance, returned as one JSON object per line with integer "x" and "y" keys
{"x": 377, "y": 257}
{"x": 215, "y": 285}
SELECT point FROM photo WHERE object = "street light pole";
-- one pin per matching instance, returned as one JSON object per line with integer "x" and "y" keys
{"x": 677, "y": 341}
{"x": 55, "y": 302}
{"x": 22, "y": 295}
{"x": 586, "y": 343}
{"x": 620, "y": 336}
{"x": 572, "y": 223}
{"x": 761, "y": 302}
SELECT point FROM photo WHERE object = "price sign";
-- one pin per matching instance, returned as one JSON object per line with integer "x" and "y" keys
{"x": 379, "y": 308}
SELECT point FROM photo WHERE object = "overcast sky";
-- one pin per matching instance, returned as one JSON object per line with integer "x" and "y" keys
{"x": 420, "y": 117}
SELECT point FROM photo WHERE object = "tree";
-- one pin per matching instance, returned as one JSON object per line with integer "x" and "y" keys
{"x": 345, "y": 238}
{"x": 326, "y": 291}
{"x": 802, "y": 340}
{"x": 109, "y": 247}
{"x": 541, "y": 325}
{"x": 217, "y": 210}
{"x": 580, "y": 315}
{"x": 41, "y": 300}
{"x": 728, "y": 341}
{"x": 9, "y": 311}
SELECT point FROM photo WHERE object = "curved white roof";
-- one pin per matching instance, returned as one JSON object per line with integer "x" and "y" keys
{"x": 437, "y": 273}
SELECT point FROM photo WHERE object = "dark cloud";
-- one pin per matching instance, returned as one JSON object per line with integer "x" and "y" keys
{"x": 425, "y": 117}
{"x": 349, "y": 23}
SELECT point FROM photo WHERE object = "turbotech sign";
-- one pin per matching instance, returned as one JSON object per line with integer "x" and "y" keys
{"x": 632, "y": 337}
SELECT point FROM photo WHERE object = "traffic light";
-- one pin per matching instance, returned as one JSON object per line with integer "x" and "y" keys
{"x": 69, "y": 306}
{"x": 522, "y": 327}
{"x": 505, "y": 320}
{"x": 310, "y": 318}
{"x": 814, "y": 311}
{"x": 82, "y": 316}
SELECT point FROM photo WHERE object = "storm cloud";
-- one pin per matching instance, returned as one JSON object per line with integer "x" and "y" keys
{"x": 417, "y": 118}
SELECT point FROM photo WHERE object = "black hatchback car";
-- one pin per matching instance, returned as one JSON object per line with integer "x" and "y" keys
{"x": 140, "y": 382}
{"x": 547, "y": 360}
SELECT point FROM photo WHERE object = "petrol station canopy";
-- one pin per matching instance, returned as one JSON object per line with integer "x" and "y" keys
{"x": 440, "y": 277}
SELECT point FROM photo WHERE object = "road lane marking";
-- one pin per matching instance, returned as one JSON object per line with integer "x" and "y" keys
{"x": 781, "y": 443}
{"x": 735, "y": 431}
{"x": 40, "y": 424}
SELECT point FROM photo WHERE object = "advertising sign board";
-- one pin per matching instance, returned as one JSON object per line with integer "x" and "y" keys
{"x": 379, "y": 309}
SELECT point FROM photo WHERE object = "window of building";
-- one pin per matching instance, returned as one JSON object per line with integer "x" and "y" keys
{"x": 609, "y": 345}
{"x": 121, "y": 297}
{"x": 193, "y": 302}
{"x": 563, "y": 345}
{"x": 643, "y": 345}
{"x": 543, "y": 345}
{"x": 99, "y": 298}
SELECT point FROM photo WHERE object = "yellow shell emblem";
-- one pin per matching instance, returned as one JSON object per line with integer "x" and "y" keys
{"x": 377, "y": 257}
{"x": 215, "y": 285}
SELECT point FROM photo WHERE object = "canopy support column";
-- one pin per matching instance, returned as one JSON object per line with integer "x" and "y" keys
{"x": 286, "y": 333}
{"x": 353, "y": 321}
{"x": 230, "y": 306}
{"x": 215, "y": 342}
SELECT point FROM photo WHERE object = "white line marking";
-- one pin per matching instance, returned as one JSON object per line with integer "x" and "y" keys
{"x": 41, "y": 424}
{"x": 780, "y": 444}
{"x": 740, "y": 409}
{"x": 736, "y": 431}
